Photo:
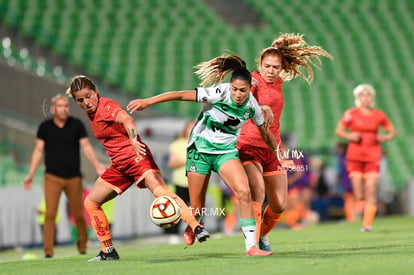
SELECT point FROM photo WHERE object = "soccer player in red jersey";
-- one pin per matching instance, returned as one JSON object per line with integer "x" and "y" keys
{"x": 131, "y": 162}
{"x": 364, "y": 149}
{"x": 282, "y": 61}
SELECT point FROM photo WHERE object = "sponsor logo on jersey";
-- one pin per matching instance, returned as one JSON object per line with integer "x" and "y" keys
{"x": 246, "y": 115}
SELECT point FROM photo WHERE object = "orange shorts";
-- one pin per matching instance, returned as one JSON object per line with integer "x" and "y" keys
{"x": 262, "y": 156}
{"x": 121, "y": 176}
{"x": 363, "y": 169}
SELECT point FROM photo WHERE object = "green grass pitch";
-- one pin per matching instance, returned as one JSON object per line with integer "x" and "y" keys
{"x": 334, "y": 248}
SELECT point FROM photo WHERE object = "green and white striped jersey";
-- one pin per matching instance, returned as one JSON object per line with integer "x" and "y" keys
{"x": 218, "y": 125}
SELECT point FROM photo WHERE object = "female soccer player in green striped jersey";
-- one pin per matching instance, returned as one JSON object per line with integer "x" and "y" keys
{"x": 212, "y": 144}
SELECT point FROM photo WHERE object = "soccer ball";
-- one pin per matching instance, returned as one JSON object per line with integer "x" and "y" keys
{"x": 165, "y": 212}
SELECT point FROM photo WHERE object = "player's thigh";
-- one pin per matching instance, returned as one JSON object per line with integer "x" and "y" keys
{"x": 233, "y": 174}
{"x": 101, "y": 192}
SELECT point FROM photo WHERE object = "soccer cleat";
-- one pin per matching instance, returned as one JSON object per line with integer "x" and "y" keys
{"x": 112, "y": 255}
{"x": 48, "y": 256}
{"x": 189, "y": 236}
{"x": 263, "y": 246}
{"x": 254, "y": 251}
{"x": 366, "y": 229}
{"x": 201, "y": 234}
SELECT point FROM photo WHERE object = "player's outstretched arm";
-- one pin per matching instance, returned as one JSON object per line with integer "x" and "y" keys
{"x": 142, "y": 104}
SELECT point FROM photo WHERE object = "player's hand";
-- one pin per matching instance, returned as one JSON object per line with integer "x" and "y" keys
{"x": 137, "y": 105}
{"x": 381, "y": 138}
{"x": 268, "y": 115}
{"x": 354, "y": 136}
{"x": 288, "y": 164}
{"x": 139, "y": 148}
{"x": 27, "y": 182}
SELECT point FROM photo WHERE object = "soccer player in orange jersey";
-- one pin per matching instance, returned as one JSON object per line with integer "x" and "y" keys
{"x": 364, "y": 150}
{"x": 282, "y": 61}
{"x": 131, "y": 162}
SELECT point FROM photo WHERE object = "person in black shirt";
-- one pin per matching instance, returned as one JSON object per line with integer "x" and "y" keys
{"x": 61, "y": 138}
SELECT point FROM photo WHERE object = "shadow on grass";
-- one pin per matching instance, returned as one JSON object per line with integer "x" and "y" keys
{"x": 197, "y": 256}
{"x": 349, "y": 251}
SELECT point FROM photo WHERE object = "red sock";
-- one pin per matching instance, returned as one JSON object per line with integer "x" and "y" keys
{"x": 186, "y": 215}
{"x": 99, "y": 223}
{"x": 270, "y": 220}
{"x": 257, "y": 209}
{"x": 369, "y": 214}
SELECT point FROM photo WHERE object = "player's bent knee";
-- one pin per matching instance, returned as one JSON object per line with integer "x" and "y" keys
{"x": 243, "y": 195}
{"x": 90, "y": 205}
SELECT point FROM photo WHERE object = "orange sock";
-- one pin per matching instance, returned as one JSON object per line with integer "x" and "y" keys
{"x": 229, "y": 223}
{"x": 300, "y": 210}
{"x": 257, "y": 209}
{"x": 369, "y": 214}
{"x": 186, "y": 215}
{"x": 359, "y": 205}
{"x": 99, "y": 223}
{"x": 269, "y": 221}
{"x": 349, "y": 206}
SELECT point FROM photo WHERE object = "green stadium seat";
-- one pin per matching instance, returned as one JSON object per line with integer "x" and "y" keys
{"x": 146, "y": 46}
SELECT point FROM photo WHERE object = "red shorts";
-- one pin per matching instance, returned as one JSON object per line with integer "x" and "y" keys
{"x": 262, "y": 156}
{"x": 121, "y": 176}
{"x": 363, "y": 169}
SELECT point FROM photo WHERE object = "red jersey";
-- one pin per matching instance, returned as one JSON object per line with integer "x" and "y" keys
{"x": 367, "y": 148}
{"x": 111, "y": 134}
{"x": 268, "y": 94}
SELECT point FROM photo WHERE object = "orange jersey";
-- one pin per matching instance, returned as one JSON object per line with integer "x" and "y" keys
{"x": 267, "y": 94}
{"x": 367, "y": 148}
{"x": 111, "y": 134}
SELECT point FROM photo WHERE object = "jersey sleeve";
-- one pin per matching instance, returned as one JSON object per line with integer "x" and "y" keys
{"x": 81, "y": 130}
{"x": 346, "y": 119}
{"x": 258, "y": 117}
{"x": 110, "y": 111}
{"x": 41, "y": 131}
{"x": 211, "y": 94}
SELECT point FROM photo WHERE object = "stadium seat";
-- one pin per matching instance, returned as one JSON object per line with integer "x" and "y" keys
{"x": 144, "y": 47}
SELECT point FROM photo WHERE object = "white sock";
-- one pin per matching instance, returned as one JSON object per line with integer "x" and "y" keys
{"x": 249, "y": 231}
{"x": 264, "y": 239}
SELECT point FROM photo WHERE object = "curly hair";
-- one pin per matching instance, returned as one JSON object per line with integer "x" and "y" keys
{"x": 296, "y": 54}
{"x": 215, "y": 70}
